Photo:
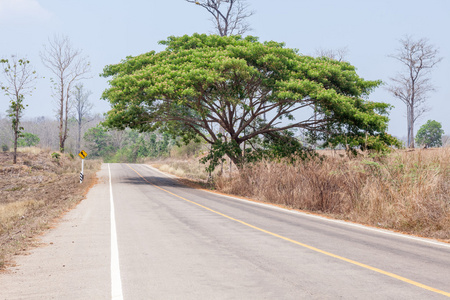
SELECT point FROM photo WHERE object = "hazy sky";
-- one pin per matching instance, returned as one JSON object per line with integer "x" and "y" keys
{"x": 109, "y": 30}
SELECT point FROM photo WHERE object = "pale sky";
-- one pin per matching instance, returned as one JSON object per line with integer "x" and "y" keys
{"x": 109, "y": 30}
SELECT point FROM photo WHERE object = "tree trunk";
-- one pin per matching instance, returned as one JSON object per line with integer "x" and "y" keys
{"x": 407, "y": 126}
{"x": 16, "y": 134}
{"x": 237, "y": 161}
{"x": 66, "y": 116}
{"x": 79, "y": 137}
{"x": 61, "y": 120}
{"x": 411, "y": 128}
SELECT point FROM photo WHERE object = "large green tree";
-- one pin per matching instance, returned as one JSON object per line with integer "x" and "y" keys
{"x": 250, "y": 89}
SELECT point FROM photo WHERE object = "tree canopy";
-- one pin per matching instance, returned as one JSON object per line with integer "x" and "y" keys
{"x": 430, "y": 134}
{"x": 250, "y": 89}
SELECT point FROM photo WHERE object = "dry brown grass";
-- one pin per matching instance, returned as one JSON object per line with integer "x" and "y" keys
{"x": 407, "y": 191}
{"x": 186, "y": 168}
{"x": 34, "y": 192}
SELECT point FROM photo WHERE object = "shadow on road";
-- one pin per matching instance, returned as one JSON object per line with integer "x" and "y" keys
{"x": 156, "y": 180}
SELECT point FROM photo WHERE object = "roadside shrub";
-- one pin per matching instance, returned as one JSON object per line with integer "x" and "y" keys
{"x": 56, "y": 155}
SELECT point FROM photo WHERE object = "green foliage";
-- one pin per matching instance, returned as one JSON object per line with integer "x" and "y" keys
{"x": 139, "y": 146}
{"x": 134, "y": 147}
{"x": 28, "y": 140}
{"x": 56, "y": 155}
{"x": 355, "y": 139}
{"x": 218, "y": 150}
{"x": 282, "y": 144}
{"x": 191, "y": 149}
{"x": 99, "y": 142}
{"x": 201, "y": 82}
{"x": 5, "y": 148}
{"x": 430, "y": 134}
{"x": 273, "y": 146}
{"x": 15, "y": 113}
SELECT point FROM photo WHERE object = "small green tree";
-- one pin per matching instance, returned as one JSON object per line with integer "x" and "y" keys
{"x": 99, "y": 142}
{"x": 19, "y": 82}
{"x": 28, "y": 140}
{"x": 430, "y": 134}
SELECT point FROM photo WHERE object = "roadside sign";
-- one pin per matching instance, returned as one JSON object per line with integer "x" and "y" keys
{"x": 82, "y": 154}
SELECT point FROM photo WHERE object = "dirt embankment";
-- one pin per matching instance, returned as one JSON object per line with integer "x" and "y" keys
{"x": 34, "y": 192}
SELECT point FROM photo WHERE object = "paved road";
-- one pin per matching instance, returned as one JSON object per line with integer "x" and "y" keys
{"x": 167, "y": 241}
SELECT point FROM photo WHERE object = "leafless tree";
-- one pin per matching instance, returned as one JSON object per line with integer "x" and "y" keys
{"x": 20, "y": 78}
{"x": 413, "y": 85}
{"x": 68, "y": 65}
{"x": 228, "y": 16}
{"x": 446, "y": 140}
{"x": 82, "y": 107}
{"x": 338, "y": 54}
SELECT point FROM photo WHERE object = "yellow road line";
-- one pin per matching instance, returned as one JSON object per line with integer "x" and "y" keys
{"x": 305, "y": 245}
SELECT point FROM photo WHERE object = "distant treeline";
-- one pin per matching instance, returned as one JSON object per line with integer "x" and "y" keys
{"x": 47, "y": 130}
{"x": 98, "y": 141}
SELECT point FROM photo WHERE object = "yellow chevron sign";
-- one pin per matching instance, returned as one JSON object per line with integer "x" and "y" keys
{"x": 82, "y": 154}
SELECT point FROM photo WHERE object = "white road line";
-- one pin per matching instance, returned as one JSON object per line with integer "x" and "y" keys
{"x": 360, "y": 226}
{"x": 116, "y": 282}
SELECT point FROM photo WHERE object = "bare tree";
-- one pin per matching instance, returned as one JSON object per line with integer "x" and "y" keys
{"x": 82, "y": 107}
{"x": 446, "y": 140}
{"x": 69, "y": 66}
{"x": 338, "y": 54}
{"x": 230, "y": 19}
{"x": 413, "y": 85}
{"x": 20, "y": 79}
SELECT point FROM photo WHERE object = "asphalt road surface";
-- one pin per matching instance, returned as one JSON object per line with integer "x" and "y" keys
{"x": 141, "y": 235}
